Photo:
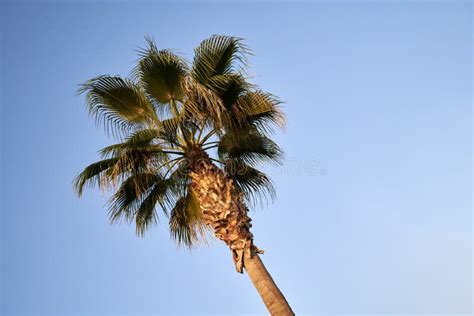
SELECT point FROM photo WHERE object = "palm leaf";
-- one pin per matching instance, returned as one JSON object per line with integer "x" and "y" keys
{"x": 161, "y": 73}
{"x": 169, "y": 130}
{"x": 203, "y": 105}
{"x": 128, "y": 197}
{"x": 254, "y": 184}
{"x": 117, "y": 103}
{"x": 92, "y": 174}
{"x": 218, "y": 55}
{"x": 123, "y": 162}
{"x": 228, "y": 87}
{"x": 137, "y": 198}
{"x": 146, "y": 214}
{"x": 257, "y": 109}
{"x": 249, "y": 146}
{"x": 141, "y": 139}
{"x": 185, "y": 223}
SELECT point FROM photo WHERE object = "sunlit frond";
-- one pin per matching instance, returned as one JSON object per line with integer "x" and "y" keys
{"x": 203, "y": 104}
{"x": 92, "y": 174}
{"x": 118, "y": 104}
{"x": 128, "y": 197}
{"x": 123, "y": 162}
{"x": 228, "y": 87}
{"x": 259, "y": 110}
{"x": 255, "y": 185}
{"x": 185, "y": 223}
{"x": 141, "y": 139}
{"x": 250, "y": 147}
{"x": 179, "y": 175}
{"x": 137, "y": 198}
{"x": 146, "y": 214}
{"x": 218, "y": 55}
{"x": 169, "y": 130}
{"x": 161, "y": 73}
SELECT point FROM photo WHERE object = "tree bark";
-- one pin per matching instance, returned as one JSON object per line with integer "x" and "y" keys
{"x": 224, "y": 210}
{"x": 266, "y": 287}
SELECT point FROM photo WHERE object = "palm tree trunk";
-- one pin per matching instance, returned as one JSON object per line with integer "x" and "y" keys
{"x": 266, "y": 287}
{"x": 224, "y": 210}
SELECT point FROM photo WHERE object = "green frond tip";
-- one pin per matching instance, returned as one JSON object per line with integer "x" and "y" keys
{"x": 256, "y": 186}
{"x": 121, "y": 161}
{"x": 119, "y": 104}
{"x": 218, "y": 55}
{"x": 185, "y": 223}
{"x": 129, "y": 196}
{"x": 257, "y": 109}
{"x": 139, "y": 140}
{"x": 203, "y": 104}
{"x": 161, "y": 73}
{"x": 92, "y": 175}
{"x": 137, "y": 197}
{"x": 250, "y": 147}
{"x": 146, "y": 213}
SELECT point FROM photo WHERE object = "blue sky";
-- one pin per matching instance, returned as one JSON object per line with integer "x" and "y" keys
{"x": 373, "y": 213}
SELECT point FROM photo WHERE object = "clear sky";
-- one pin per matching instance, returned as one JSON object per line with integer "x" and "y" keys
{"x": 373, "y": 213}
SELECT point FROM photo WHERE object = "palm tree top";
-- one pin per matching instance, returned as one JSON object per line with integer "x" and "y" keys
{"x": 168, "y": 117}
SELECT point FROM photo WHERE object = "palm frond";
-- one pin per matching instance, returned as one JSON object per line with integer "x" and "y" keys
{"x": 143, "y": 136}
{"x": 203, "y": 104}
{"x": 185, "y": 223}
{"x": 118, "y": 104}
{"x": 93, "y": 174}
{"x": 128, "y": 197}
{"x": 249, "y": 146}
{"x": 257, "y": 109}
{"x": 137, "y": 198}
{"x": 161, "y": 73}
{"x": 169, "y": 130}
{"x": 180, "y": 179}
{"x": 146, "y": 214}
{"x": 254, "y": 184}
{"x": 141, "y": 139}
{"x": 229, "y": 87}
{"x": 218, "y": 55}
{"x": 122, "y": 163}
{"x": 137, "y": 160}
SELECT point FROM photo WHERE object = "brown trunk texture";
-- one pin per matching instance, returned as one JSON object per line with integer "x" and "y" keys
{"x": 224, "y": 210}
{"x": 266, "y": 287}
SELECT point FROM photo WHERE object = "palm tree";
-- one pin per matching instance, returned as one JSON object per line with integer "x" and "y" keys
{"x": 190, "y": 139}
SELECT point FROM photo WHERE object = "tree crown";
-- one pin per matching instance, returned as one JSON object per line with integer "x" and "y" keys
{"x": 169, "y": 115}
